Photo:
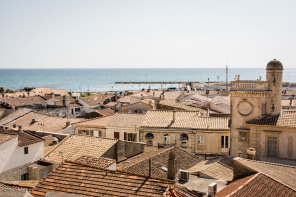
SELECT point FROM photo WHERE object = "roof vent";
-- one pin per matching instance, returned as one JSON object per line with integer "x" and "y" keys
{"x": 212, "y": 189}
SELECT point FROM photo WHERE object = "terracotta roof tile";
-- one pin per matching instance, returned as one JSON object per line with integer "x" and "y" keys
{"x": 96, "y": 99}
{"x": 102, "y": 162}
{"x": 20, "y": 101}
{"x": 174, "y": 95}
{"x": 75, "y": 146}
{"x": 127, "y": 120}
{"x": 283, "y": 174}
{"x": 179, "y": 106}
{"x": 42, "y": 122}
{"x": 82, "y": 179}
{"x": 285, "y": 119}
{"x": 100, "y": 121}
{"x": 16, "y": 114}
{"x": 217, "y": 168}
{"x": 6, "y": 137}
{"x": 256, "y": 185}
{"x": 24, "y": 138}
{"x": 106, "y": 112}
{"x": 140, "y": 164}
{"x": 184, "y": 119}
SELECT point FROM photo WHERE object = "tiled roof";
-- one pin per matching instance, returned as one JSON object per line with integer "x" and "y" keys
{"x": 256, "y": 185}
{"x": 6, "y": 137}
{"x": 102, "y": 162}
{"x": 96, "y": 99}
{"x": 111, "y": 104}
{"x": 106, "y": 112}
{"x": 52, "y": 124}
{"x": 140, "y": 164}
{"x": 42, "y": 122}
{"x": 14, "y": 115}
{"x": 283, "y": 174}
{"x": 184, "y": 119}
{"x": 180, "y": 106}
{"x": 285, "y": 119}
{"x": 141, "y": 94}
{"x": 24, "y": 138}
{"x": 217, "y": 168}
{"x": 180, "y": 191}
{"x": 99, "y": 122}
{"x": 27, "y": 184}
{"x": 20, "y": 101}
{"x": 172, "y": 95}
{"x": 127, "y": 120}
{"x": 86, "y": 180}
{"x": 125, "y": 99}
{"x": 75, "y": 146}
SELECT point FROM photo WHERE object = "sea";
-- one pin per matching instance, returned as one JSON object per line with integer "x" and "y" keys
{"x": 98, "y": 80}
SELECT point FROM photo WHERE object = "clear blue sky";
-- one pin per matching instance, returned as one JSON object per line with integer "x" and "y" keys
{"x": 150, "y": 33}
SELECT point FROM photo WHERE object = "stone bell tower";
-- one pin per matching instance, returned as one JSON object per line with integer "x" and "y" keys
{"x": 274, "y": 77}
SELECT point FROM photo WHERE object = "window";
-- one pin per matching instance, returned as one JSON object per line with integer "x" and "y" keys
{"x": 14, "y": 125}
{"x": 200, "y": 139}
{"x": 79, "y": 131}
{"x": 91, "y": 133}
{"x": 149, "y": 136}
{"x": 184, "y": 136}
{"x": 26, "y": 150}
{"x": 116, "y": 135}
{"x": 25, "y": 176}
{"x": 100, "y": 133}
{"x": 87, "y": 132}
{"x": 77, "y": 109}
{"x": 263, "y": 110}
{"x": 166, "y": 139}
{"x": 224, "y": 141}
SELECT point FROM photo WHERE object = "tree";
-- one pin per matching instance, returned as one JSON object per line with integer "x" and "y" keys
{"x": 1, "y": 89}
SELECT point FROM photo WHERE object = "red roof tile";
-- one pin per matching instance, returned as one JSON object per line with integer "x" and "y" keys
{"x": 24, "y": 138}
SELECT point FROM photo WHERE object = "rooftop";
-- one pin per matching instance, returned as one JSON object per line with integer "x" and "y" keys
{"x": 216, "y": 168}
{"x": 100, "y": 121}
{"x": 127, "y": 120}
{"x": 285, "y": 119}
{"x": 20, "y": 101}
{"x": 6, "y": 137}
{"x": 24, "y": 138}
{"x": 102, "y": 162}
{"x": 256, "y": 185}
{"x": 77, "y": 178}
{"x": 283, "y": 174}
{"x": 184, "y": 119}
{"x": 106, "y": 112}
{"x": 140, "y": 164}
{"x": 96, "y": 99}
{"x": 75, "y": 146}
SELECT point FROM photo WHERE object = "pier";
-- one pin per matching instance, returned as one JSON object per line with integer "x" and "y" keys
{"x": 155, "y": 82}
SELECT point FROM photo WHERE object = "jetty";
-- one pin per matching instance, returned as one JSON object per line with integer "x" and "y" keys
{"x": 155, "y": 82}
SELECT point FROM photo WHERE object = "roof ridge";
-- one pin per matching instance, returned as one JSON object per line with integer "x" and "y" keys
{"x": 246, "y": 183}
{"x": 117, "y": 170}
{"x": 164, "y": 150}
{"x": 87, "y": 120}
{"x": 111, "y": 139}
{"x": 18, "y": 117}
{"x": 265, "y": 162}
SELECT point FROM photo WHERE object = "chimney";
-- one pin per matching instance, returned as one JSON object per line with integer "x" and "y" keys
{"x": 172, "y": 166}
{"x": 64, "y": 101}
{"x": 174, "y": 116}
{"x": 212, "y": 189}
{"x": 67, "y": 123}
{"x": 19, "y": 128}
{"x": 33, "y": 121}
{"x": 150, "y": 167}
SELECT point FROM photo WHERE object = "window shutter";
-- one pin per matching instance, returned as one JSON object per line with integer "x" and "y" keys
{"x": 125, "y": 135}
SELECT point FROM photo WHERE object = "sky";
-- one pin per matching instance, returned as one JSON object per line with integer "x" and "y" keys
{"x": 146, "y": 33}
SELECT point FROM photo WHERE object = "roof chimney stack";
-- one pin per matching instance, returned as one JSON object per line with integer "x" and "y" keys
{"x": 172, "y": 166}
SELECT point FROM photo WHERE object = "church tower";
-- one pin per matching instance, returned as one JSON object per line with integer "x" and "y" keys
{"x": 274, "y": 77}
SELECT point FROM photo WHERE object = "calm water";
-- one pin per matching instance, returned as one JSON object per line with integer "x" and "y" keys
{"x": 104, "y": 79}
